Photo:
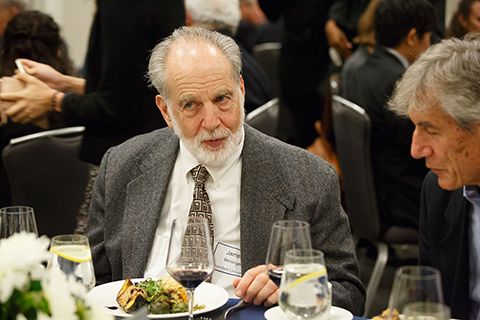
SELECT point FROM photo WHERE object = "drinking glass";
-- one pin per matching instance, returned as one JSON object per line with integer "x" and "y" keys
{"x": 286, "y": 235}
{"x": 16, "y": 219}
{"x": 304, "y": 289}
{"x": 417, "y": 294}
{"x": 190, "y": 257}
{"x": 71, "y": 254}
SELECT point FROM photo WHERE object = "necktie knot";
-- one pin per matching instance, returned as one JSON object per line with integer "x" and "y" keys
{"x": 200, "y": 174}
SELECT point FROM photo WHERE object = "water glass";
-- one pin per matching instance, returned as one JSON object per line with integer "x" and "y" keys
{"x": 16, "y": 219}
{"x": 426, "y": 311}
{"x": 304, "y": 290}
{"x": 417, "y": 294}
{"x": 71, "y": 254}
{"x": 286, "y": 235}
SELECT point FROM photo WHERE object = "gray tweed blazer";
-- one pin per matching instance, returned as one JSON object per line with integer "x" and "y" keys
{"x": 279, "y": 182}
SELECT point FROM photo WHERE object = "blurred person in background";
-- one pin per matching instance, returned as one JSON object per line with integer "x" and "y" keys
{"x": 8, "y": 9}
{"x": 113, "y": 102}
{"x": 224, "y": 16}
{"x": 32, "y": 35}
{"x": 402, "y": 32}
{"x": 466, "y": 19}
{"x": 255, "y": 28}
{"x": 365, "y": 40}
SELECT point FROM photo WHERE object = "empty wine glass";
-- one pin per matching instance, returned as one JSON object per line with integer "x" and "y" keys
{"x": 304, "y": 290}
{"x": 190, "y": 257}
{"x": 16, "y": 219}
{"x": 71, "y": 254}
{"x": 286, "y": 235}
{"x": 417, "y": 294}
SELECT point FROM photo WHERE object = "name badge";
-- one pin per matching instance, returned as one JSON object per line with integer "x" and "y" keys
{"x": 228, "y": 260}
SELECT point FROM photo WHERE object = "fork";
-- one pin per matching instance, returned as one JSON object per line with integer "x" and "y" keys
{"x": 240, "y": 305}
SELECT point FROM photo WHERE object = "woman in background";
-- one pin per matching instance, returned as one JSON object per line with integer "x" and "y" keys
{"x": 32, "y": 35}
{"x": 466, "y": 19}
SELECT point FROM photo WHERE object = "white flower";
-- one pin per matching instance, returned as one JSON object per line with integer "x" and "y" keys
{"x": 21, "y": 255}
{"x": 20, "y": 263}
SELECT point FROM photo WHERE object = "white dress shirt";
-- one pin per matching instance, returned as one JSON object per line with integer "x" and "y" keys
{"x": 223, "y": 189}
{"x": 399, "y": 56}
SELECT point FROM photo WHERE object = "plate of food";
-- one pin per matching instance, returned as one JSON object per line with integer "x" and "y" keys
{"x": 165, "y": 295}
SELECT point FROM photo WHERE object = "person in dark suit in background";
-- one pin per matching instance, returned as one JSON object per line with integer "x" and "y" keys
{"x": 440, "y": 94}
{"x": 402, "y": 32}
{"x": 252, "y": 181}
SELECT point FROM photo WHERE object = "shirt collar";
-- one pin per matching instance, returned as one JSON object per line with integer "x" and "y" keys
{"x": 399, "y": 56}
{"x": 471, "y": 194}
{"x": 217, "y": 172}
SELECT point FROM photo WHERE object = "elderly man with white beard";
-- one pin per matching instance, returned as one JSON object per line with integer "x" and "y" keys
{"x": 252, "y": 180}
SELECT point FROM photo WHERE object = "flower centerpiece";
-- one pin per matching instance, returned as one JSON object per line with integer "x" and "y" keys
{"x": 28, "y": 291}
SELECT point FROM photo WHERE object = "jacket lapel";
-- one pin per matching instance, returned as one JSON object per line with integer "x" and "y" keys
{"x": 264, "y": 199}
{"x": 457, "y": 215}
{"x": 143, "y": 206}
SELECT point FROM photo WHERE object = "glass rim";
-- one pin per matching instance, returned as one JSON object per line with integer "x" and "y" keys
{"x": 286, "y": 224}
{"x": 404, "y": 272}
{"x": 18, "y": 209}
{"x": 315, "y": 252}
{"x": 62, "y": 239}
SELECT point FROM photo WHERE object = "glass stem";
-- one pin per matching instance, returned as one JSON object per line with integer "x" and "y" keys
{"x": 190, "y": 303}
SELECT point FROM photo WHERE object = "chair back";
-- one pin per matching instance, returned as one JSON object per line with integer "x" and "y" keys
{"x": 351, "y": 126}
{"x": 265, "y": 117}
{"x": 268, "y": 56}
{"x": 45, "y": 173}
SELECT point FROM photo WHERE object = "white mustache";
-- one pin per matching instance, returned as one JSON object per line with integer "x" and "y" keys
{"x": 212, "y": 135}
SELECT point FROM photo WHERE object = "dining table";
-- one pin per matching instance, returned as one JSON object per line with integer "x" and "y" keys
{"x": 251, "y": 312}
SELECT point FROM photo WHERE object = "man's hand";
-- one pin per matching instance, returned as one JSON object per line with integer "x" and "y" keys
{"x": 338, "y": 40}
{"x": 30, "y": 103}
{"x": 256, "y": 285}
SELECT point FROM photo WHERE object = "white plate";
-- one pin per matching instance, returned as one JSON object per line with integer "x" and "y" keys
{"x": 212, "y": 296}
{"x": 276, "y": 313}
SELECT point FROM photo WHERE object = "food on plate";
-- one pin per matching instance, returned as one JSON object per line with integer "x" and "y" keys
{"x": 130, "y": 297}
{"x": 163, "y": 296}
{"x": 384, "y": 315}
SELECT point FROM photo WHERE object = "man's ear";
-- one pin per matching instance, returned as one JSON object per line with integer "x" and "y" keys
{"x": 242, "y": 87}
{"x": 162, "y": 105}
{"x": 412, "y": 37}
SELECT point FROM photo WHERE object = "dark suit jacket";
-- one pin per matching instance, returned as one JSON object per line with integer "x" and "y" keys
{"x": 398, "y": 177}
{"x": 443, "y": 243}
{"x": 118, "y": 103}
{"x": 279, "y": 182}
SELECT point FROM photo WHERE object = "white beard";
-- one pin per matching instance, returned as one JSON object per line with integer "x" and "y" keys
{"x": 205, "y": 154}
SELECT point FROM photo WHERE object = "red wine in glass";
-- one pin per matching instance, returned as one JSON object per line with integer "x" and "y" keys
{"x": 190, "y": 279}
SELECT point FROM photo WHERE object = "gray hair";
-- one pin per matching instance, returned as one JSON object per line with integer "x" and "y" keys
{"x": 21, "y": 5}
{"x": 446, "y": 76}
{"x": 157, "y": 73}
{"x": 216, "y": 14}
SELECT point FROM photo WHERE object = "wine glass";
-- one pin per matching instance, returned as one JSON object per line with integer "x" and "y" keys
{"x": 71, "y": 254}
{"x": 417, "y": 294}
{"x": 17, "y": 219}
{"x": 304, "y": 290}
{"x": 286, "y": 235}
{"x": 190, "y": 256}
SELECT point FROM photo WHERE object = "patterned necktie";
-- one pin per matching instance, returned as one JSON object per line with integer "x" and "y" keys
{"x": 201, "y": 203}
